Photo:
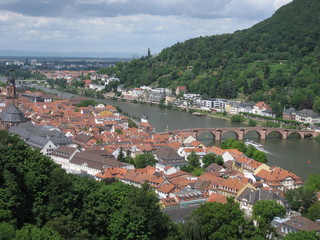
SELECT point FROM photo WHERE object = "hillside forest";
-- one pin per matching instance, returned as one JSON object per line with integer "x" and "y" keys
{"x": 276, "y": 60}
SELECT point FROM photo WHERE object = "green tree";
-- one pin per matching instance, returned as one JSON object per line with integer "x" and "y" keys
{"x": 7, "y": 231}
{"x": 314, "y": 211}
{"x": 250, "y": 151}
{"x": 260, "y": 156}
{"x": 302, "y": 235}
{"x": 216, "y": 221}
{"x": 143, "y": 160}
{"x": 99, "y": 205}
{"x": 316, "y": 105}
{"x": 211, "y": 158}
{"x": 297, "y": 98}
{"x": 256, "y": 85}
{"x": 118, "y": 131}
{"x": 313, "y": 182}
{"x": 232, "y": 143}
{"x": 30, "y": 232}
{"x": 252, "y": 123}
{"x": 139, "y": 217}
{"x": 237, "y": 118}
{"x": 193, "y": 230}
{"x": 129, "y": 223}
{"x": 34, "y": 190}
{"x": 266, "y": 210}
{"x": 300, "y": 199}
{"x": 132, "y": 124}
{"x": 193, "y": 160}
{"x": 58, "y": 194}
{"x": 67, "y": 228}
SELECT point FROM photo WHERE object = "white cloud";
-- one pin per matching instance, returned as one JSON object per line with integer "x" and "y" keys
{"x": 149, "y": 25}
{"x": 279, "y": 3}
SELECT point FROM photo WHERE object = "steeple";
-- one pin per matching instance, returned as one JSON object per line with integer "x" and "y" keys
{"x": 11, "y": 86}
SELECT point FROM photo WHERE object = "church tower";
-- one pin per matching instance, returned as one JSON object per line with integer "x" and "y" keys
{"x": 11, "y": 86}
{"x": 11, "y": 115}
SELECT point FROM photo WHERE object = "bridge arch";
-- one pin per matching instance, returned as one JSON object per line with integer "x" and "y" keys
{"x": 308, "y": 135}
{"x": 235, "y": 133}
{"x": 294, "y": 134}
{"x": 205, "y": 133}
{"x": 252, "y": 134}
{"x": 280, "y": 134}
{"x": 240, "y": 132}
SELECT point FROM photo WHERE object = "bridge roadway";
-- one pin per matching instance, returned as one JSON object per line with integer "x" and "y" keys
{"x": 240, "y": 132}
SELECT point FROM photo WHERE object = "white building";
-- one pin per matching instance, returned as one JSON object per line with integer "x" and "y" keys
{"x": 62, "y": 156}
{"x": 96, "y": 87}
{"x": 215, "y": 103}
{"x": 307, "y": 116}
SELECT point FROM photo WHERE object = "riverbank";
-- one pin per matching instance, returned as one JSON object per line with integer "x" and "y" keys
{"x": 247, "y": 121}
{"x": 300, "y": 156}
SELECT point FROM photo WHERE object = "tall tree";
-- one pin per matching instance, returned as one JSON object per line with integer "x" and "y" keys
{"x": 316, "y": 105}
{"x": 193, "y": 160}
{"x": 143, "y": 160}
{"x": 216, "y": 221}
{"x": 302, "y": 235}
{"x": 300, "y": 199}
{"x": 30, "y": 232}
{"x": 314, "y": 211}
{"x": 313, "y": 182}
{"x": 266, "y": 210}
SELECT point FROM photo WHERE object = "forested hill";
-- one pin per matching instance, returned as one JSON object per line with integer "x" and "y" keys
{"x": 275, "y": 60}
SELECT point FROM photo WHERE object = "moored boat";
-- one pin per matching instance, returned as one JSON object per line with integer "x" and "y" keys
{"x": 254, "y": 144}
{"x": 198, "y": 114}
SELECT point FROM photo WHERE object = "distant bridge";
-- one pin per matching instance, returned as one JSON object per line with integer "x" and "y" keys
{"x": 240, "y": 132}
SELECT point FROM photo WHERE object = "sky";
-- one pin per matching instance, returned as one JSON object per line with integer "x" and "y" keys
{"x": 125, "y": 26}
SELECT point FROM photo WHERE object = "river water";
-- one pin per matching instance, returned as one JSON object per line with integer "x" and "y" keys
{"x": 301, "y": 156}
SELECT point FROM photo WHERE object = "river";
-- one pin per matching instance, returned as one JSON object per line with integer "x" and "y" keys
{"x": 301, "y": 156}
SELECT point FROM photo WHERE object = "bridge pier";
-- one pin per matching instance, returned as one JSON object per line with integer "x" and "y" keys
{"x": 263, "y": 134}
{"x": 285, "y": 134}
{"x": 194, "y": 134}
{"x": 241, "y": 134}
{"x": 217, "y": 135}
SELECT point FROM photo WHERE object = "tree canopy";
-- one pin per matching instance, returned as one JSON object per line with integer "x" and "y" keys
{"x": 39, "y": 200}
{"x": 215, "y": 221}
{"x": 143, "y": 160}
{"x": 300, "y": 199}
{"x": 266, "y": 210}
{"x": 302, "y": 235}
{"x": 313, "y": 182}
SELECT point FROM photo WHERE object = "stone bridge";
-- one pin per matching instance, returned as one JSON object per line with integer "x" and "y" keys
{"x": 240, "y": 132}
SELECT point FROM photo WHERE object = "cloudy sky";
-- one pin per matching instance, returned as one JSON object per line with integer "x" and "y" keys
{"x": 130, "y": 26}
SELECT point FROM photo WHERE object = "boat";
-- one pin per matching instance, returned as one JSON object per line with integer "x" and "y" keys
{"x": 198, "y": 114}
{"x": 254, "y": 144}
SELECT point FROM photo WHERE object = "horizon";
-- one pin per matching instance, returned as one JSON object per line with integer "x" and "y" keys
{"x": 121, "y": 27}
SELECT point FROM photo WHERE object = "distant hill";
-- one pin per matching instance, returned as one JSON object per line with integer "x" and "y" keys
{"x": 276, "y": 60}
{"x": 19, "y": 53}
